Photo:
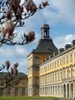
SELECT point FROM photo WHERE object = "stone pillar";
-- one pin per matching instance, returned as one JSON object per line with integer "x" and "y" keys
{"x": 44, "y": 91}
{"x": 74, "y": 90}
{"x": 69, "y": 90}
{"x": 54, "y": 90}
{"x": 57, "y": 91}
{"x": 50, "y": 90}
{"x": 61, "y": 90}
{"x": 66, "y": 90}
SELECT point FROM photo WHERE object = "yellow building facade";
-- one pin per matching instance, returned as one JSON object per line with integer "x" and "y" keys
{"x": 44, "y": 49}
{"x": 57, "y": 75}
{"x": 51, "y": 72}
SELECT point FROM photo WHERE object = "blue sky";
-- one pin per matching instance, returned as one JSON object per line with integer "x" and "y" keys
{"x": 60, "y": 15}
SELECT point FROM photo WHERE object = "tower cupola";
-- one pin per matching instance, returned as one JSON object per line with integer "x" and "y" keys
{"x": 45, "y": 31}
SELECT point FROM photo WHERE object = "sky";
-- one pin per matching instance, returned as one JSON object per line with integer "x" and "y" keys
{"x": 60, "y": 15}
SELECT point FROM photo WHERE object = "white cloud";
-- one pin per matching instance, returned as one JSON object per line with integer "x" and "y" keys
{"x": 59, "y": 10}
{"x": 61, "y": 41}
{"x": 21, "y": 51}
{"x": 69, "y": 37}
{"x": 23, "y": 65}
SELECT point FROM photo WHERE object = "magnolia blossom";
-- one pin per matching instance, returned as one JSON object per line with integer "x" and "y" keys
{"x": 9, "y": 14}
{"x": 30, "y": 37}
{"x": 18, "y": 13}
{"x": 15, "y": 65}
{"x": 14, "y": 4}
{"x": 45, "y": 4}
{"x": 30, "y": 6}
{"x": 7, "y": 64}
{"x": 8, "y": 29}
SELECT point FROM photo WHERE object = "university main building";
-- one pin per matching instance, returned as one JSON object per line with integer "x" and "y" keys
{"x": 51, "y": 71}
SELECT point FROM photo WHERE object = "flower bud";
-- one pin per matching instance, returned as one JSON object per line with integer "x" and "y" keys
{"x": 15, "y": 65}
{"x": 7, "y": 64}
{"x": 30, "y": 37}
{"x": 9, "y": 14}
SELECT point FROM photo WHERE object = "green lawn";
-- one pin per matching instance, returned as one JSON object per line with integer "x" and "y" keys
{"x": 26, "y": 98}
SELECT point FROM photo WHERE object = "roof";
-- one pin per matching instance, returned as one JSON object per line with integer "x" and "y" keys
{"x": 46, "y": 45}
{"x": 5, "y": 74}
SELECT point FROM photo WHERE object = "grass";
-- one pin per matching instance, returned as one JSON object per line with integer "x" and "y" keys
{"x": 26, "y": 98}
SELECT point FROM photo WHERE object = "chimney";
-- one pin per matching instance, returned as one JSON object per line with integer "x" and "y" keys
{"x": 67, "y": 46}
{"x": 73, "y": 42}
{"x": 54, "y": 54}
{"x": 60, "y": 50}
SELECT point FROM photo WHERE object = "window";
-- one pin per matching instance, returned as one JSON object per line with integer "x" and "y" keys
{"x": 64, "y": 74}
{"x": 58, "y": 63}
{"x": 67, "y": 59}
{"x": 61, "y": 75}
{"x": 52, "y": 65}
{"x": 68, "y": 73}
{"x": 55, "y": 64}
{"x": 55, "y": 76}
{"x": 63, "y": 61}
{"x": 58, "y": 75}
{"x": 36, "y": 60}
{"x": 71, "y": 58}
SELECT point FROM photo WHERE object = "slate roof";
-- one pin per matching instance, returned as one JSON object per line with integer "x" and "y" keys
{"x": 46, "y": 45}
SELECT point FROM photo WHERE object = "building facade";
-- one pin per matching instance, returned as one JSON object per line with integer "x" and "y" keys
{"x": 51, "y": 72}
{"x": 18, "y": 87}
{"x": 57, "y": 75}
{"x": 42, "y": 52}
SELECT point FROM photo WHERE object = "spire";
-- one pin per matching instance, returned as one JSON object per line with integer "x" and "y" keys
{"x": 45, "y": 31}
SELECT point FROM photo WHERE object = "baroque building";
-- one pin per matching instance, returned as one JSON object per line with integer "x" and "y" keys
{"x": 17, "y": 87}
{"x": 51, "y": 71}
{"x": 42, "y": 52}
